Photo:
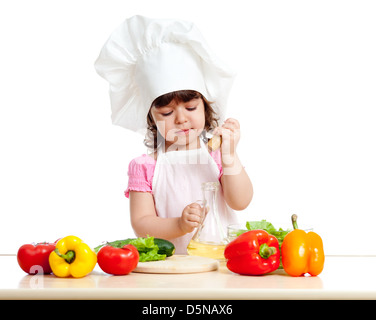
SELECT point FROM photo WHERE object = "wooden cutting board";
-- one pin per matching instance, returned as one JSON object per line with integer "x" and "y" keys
{"x": 178, "y": 264}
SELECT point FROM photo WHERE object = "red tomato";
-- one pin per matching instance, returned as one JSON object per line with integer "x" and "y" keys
{"x": 34, "y": 258}
{"x": 118, "y": 261}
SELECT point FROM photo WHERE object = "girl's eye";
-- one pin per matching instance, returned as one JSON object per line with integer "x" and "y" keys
{"x": 192, "y": 109}
{"x": 166, "y": 114}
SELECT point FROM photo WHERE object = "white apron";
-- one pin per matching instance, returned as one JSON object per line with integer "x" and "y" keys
{"x": 177, "y": 180}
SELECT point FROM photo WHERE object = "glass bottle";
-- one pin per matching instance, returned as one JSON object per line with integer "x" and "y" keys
{"x": 210, "y": 238}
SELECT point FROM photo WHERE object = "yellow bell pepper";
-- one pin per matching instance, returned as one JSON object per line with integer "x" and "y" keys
{"x": 72, "y": 257}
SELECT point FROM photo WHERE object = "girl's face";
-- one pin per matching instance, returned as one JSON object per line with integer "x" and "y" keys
{"x": 180, "y": 123}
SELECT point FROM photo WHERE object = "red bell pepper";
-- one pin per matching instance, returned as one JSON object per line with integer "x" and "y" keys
{"x": 255, "y": 252}
{"x": 34, "y": 258}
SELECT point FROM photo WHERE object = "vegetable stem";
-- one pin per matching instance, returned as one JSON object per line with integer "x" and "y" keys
{"x": 294, "y": 219}
{"x": 68, "y": 257}
{"x": 266, "y": 251}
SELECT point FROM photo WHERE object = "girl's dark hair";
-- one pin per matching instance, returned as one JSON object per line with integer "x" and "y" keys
{"x": 151, "y": 140}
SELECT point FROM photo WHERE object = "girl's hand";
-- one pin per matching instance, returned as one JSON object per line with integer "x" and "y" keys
{"x": 190, "y": 218}
{"x": 230, "y": 132}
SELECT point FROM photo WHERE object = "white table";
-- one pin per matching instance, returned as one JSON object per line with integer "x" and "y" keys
{"x": 342, "y": 278}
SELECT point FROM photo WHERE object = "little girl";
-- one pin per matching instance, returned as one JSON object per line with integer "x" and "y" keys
{"x": 161, "y": 74}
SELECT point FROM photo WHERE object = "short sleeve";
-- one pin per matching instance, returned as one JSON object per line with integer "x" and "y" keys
{"x": 140, "y": 174}
{"x": 216, "y": 155}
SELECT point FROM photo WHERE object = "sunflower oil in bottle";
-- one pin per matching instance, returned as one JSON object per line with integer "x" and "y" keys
{"x": 210, "y": 239}
{"x": 208, "y": 250}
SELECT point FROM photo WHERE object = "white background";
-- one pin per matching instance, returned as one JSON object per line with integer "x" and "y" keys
{"x": 304, "y": 96}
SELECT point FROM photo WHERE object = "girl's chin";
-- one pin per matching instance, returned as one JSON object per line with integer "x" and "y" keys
{"x": 185, "y": 142}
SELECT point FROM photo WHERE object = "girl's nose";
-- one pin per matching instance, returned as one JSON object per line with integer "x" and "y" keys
{"x": 180, "y": 116}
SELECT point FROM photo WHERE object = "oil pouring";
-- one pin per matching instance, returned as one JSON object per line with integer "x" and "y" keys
{"x": 210, "y": 238}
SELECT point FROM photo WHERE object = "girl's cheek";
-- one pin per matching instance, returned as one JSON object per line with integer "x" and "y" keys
{"x": 161, "y": 126}
{"x": 170, "y": 135}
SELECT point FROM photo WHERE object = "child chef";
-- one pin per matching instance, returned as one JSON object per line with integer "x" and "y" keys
{"x": 165, "y": 82}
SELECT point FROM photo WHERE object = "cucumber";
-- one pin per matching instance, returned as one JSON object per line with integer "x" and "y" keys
{"x": 165, "y": 247}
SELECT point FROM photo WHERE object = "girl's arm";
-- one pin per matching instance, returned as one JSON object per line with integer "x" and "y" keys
{"x": 145, "y": 221}
{"x": 237, "y": 187}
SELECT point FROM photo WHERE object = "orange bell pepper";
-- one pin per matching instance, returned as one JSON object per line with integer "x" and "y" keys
{"x": 302, "y": 252}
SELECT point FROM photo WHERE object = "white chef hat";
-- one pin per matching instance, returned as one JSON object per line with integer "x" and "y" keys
{"x": 145, "y": 58}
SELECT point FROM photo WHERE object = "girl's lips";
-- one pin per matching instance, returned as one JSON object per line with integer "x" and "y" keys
{"x": 183, "y": 132}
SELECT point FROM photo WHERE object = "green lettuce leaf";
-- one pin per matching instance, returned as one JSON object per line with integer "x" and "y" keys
{"x": 263, "y": 225}
{"x": 147, "y": 249}
{"x": 269, "y": 228}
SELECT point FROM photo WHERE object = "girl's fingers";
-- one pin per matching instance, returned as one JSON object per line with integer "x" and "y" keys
{"x": 224, "y": 132}
{"x": 193, "y": 213}
{"x": 194, "y": 205}
{"x": 231, "y": 124}
{"x": 193, "y": 218}
{"x": 220, "y": 131}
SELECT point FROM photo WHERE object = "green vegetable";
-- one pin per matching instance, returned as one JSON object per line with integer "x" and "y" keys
{"x": 263, "y": 225}
{"x": 165, "y": 247}
{"x": 269, "y": 228}
{"x": 148, "y": 247}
